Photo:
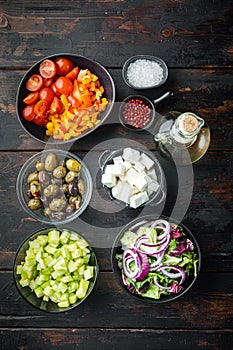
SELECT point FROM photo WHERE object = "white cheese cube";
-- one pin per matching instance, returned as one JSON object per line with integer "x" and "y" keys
{"x": 116, "y": 190}
{"x": 126, "y": 192}
{"x": 131, "y": 155}
{"x": 108, "y": 180}
{"x": 127, "y": 165}
{"x": 145, "y": 160}
{"x": 138, "y": 199}
{"x": 118, "y": 160}
{"x": 136, "y": 179}
{"x": 152, "y": 173}
{"x": 153, "y": 186}
{"x": 115, "y": 169}
{"x": 139, "y": 167}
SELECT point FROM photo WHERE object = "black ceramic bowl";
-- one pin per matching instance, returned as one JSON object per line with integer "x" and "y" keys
{"x": 39, "y": 132}
{"x": 29, "y": 295}
{"x": 117, "y": 249}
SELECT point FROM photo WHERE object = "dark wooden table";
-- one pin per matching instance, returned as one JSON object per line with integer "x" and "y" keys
{"x": 195, "y": 39}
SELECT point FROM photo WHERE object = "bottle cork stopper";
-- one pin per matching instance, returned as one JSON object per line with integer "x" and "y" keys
{"x": 189, "y": 123}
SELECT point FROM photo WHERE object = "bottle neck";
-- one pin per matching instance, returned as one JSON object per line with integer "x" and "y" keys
{"x": 185, "y": 128}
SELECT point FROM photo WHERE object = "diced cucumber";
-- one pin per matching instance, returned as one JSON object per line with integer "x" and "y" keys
{"x": 57, "y": 267}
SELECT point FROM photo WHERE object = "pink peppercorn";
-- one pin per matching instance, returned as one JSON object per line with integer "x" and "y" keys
{"x": 136, "y": 113}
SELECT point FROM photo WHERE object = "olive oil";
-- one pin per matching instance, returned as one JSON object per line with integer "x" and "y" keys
{"x": 182, "y": 137}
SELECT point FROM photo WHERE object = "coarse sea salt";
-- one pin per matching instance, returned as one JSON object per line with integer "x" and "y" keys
{"x": 144, "y": 73}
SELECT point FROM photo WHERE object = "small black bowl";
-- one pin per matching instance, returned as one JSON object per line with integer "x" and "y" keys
{"x": 117, "y": 249}
{"x": 150, "y": 58}
{"x": 39, "y": 132}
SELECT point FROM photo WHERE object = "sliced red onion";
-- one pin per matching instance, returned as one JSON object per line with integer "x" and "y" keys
{"x": 160, "y": 285}
{"x": 141, "y": 264}
{"x": 157, "y": 263}
{"x": 179, "y": 274}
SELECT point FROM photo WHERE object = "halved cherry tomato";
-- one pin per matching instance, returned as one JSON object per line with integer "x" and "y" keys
{"x": 47, "y": 69}
{"x": 63, "y": 65}
{"x": 56, "y": 106}
{"x": 73, "y": 73}
{"x": 41, "y": 108}
{"x": 40, "y": 120}
{"x": 64, "y": 85}
{"x": 47, "y": 94}
{"x": 34, "y": 83}
{"x": 53, "y": 87}
{"x": 28, "y": 112}
{"x": 31, "y": 98}
{"x": 48, "y": 82}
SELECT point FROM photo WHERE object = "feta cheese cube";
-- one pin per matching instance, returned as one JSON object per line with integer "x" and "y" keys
{"x": 138, "y": 199}
{"x": 108, "y": 180}
{"x": 153, "y": 186}
{"x": 136, "y": 179}
{"x": 118, "y": 160}
{"x": 131, "y": 155}
{"x": 127, "y": 165}
{"x": 116, "y": 190}
{"x": 115, "y": 169}
{"x": 152, "y": 173}
{"x": 145, "y": 160}
{"x": 126, "y": 192}
{"x": 139, "y": 167}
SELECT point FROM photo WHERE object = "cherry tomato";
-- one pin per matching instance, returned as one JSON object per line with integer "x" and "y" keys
{"x": 63, "y": 66}
{"x": 48, "y": 82}
{"x": 34, "y": 83}
{"x": 56, "y": 106}
{"x": 47, "y": 69}
{"x": 28, "y": 112}
{"x": 73, "y": 73}
{"x": 64, "y": 85}
{"x": 40, "y": 120}
{"x": 46, "y": 94}
{"x": 41, "y": 108}
{"x": 53, "y": 87}
{"x": 31, "y": 98}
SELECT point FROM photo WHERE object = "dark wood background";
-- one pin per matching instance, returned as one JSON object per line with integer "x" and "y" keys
{"x": 195, "y": 39}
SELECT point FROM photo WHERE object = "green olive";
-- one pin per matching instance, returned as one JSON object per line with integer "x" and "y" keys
{"x": 59, "y": 172}
{"x": 47, "y": 212}
{"x": 70, "y": 176}
{"x": 57, "y": 204}
{"x": 33, "y": 177}
{"x": 34, "y": 203}
{"x": 81, "y": 187}
{"x": 35, "y": 188}
{"x": 50, "y": 162}
{"x": 40, "y": 166}
{"x": 73, "y": 164}
{"x": 51, "y": 190}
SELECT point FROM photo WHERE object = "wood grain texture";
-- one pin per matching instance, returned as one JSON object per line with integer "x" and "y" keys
{"x": 207, "y": 306}
{"x": 111, "y": 31}
{"x": 105, "y": 339}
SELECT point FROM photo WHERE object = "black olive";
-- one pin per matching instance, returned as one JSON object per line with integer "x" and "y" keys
{"x": 73, "y": 189}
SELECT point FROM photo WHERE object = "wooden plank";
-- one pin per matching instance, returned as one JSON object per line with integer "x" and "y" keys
{"x": 112, "y": 31}
{"x": 208, "y": 205}
{"x": 206, "y": 92}
{"x": 208, "y": 305}
{"x": 104, "y": 339}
